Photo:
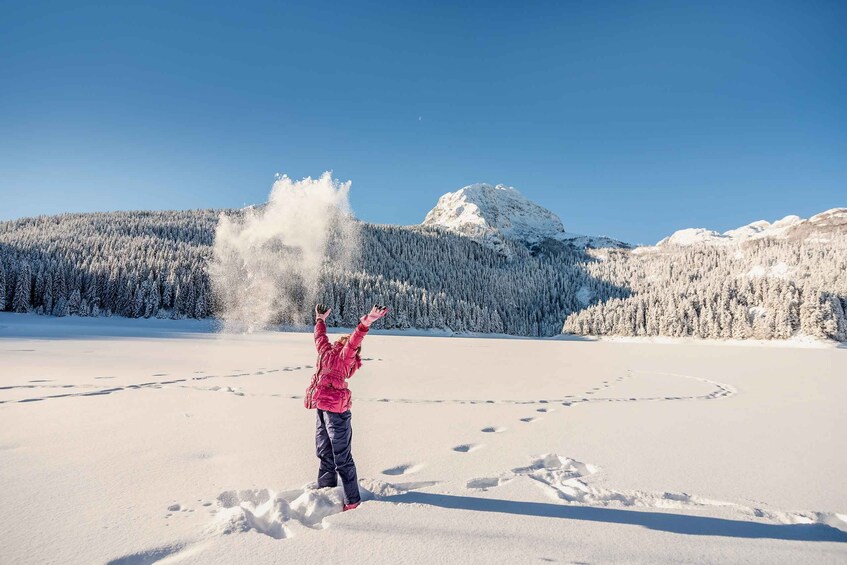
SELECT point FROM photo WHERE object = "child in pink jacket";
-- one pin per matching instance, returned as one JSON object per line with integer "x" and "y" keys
{"x": 328, "y": 393}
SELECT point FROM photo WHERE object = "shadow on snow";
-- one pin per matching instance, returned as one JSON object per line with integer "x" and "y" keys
{"x": 666, "y": 522}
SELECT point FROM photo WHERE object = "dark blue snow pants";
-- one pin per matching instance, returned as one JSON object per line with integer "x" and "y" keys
{"x": 333, "y": 438}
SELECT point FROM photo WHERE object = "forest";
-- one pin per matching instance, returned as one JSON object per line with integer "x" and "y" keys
{"x": 155, "y": 264}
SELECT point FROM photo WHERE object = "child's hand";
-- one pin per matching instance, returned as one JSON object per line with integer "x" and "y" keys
{"x": 375, "y": 314}
{"x": 321, "y": 312}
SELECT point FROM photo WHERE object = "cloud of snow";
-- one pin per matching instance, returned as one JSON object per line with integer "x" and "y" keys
{"x": 267, "y": 264}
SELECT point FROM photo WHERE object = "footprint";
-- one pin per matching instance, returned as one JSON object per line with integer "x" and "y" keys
{"x": 529, "y": 419}
{"x": 467, "y": 447}
{"x": 546, "y": 410}
{"x": 493, "y": 429}
{"x": 231, "y": 389}
{"x": 405, "y": 469}
{"x": 487, "y": 482}
{"x": 174, "y": 508}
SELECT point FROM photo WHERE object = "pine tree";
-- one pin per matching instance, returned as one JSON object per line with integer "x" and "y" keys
{"x": 74, "y": 302}
{"x": 23, "y": 290}
{"x": 2, "y": 287}
{"x": 60, "y": 288}
{"x": 200, "y": 307}
{"x": 47, "y": 299}
{"x": 38, "y": 288}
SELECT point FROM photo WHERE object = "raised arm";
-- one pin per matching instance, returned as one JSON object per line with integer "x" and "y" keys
{"x": 321, "y": 340}
{"x": 361, "y": 330}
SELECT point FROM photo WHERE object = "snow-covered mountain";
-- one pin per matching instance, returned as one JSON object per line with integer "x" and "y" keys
{"x": 819, "y": 226}
{"x": 494, "y": 214}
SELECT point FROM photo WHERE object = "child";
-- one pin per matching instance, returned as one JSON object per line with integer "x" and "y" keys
{"x": 328, "y": 393}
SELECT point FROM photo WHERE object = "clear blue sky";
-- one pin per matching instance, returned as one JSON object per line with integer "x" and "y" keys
{"x": 630, "y": 119}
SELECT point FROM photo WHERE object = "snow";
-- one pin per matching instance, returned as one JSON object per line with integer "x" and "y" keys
{"x": 762, "y": 229}
{"x": 757, "y": 311}
{"x": 496, "y": 213}
{"x": 584, "y": 295}
{"x": 779, "y": 270}
{"x": 755, "y": 230}
{"x": 485, "y": 211}
{"x": 695, "y": 236}
{"x": 129, "y": 441}
{"x": 834, "y": 216}
{"x": 799, "y": 340}
{"x": 757, "y": 271}
{"x": 834, "y": 220}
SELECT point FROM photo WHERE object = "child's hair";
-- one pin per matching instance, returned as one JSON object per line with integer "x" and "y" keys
{"x": 343, "y": 339}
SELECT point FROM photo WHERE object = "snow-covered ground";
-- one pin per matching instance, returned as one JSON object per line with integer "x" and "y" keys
{"x": 130, "y": 441}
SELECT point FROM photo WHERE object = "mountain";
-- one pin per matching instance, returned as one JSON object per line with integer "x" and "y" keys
{"x": 820, "y": 226}
{"x": 494, "y": 214}
{"x": 534, "y": 282}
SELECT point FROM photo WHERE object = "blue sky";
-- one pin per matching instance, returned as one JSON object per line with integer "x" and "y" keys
{"x": 630, "y": 119}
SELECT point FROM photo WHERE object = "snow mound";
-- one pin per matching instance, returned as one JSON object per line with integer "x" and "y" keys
{"x": 567, "y": 481}
{"x": 273, "y": 514}
{"x": 279, "y": 514}
{"x": 494, "y": 214}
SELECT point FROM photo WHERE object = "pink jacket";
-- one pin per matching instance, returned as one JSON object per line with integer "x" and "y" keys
{"x": 328, "y": 389}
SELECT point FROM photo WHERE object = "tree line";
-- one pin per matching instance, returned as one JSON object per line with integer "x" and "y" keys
{"x": 763, "y": 289}
{"x": 155, "y": 264}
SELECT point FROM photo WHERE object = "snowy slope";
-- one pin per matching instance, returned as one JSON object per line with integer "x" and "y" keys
{"x": 496, "y": 213}
{"x": 790, "y": 227}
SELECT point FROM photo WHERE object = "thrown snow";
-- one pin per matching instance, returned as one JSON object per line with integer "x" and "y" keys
{"x": 128, "y": 441}
{"x": 270, "y": 259}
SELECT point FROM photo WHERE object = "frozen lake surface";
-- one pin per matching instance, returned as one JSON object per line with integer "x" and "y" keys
{"x": 138, "y": 441}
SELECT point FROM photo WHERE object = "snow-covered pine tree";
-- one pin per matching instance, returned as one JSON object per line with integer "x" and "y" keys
{"x": 2, "y": 287}
{"x": 436, "y": 279}
{"x": 23, "y": 289}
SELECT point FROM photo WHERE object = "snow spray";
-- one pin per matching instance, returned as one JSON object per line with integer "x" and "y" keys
{"x": 267, "y": 262}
